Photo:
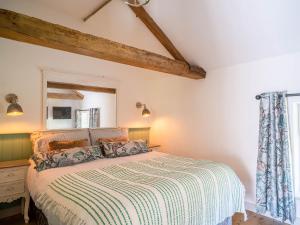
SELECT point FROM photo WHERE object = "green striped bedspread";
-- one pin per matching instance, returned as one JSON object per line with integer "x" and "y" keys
{"x": 167, "y": 190}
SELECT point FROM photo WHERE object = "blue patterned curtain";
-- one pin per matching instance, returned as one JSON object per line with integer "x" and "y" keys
{"x": 274, "y": 181}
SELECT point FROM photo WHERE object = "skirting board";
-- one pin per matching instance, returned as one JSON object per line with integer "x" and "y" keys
{"x": 251, "y": 207}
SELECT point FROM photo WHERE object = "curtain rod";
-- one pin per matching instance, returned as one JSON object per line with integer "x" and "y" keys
{"x": 258, "y": 97}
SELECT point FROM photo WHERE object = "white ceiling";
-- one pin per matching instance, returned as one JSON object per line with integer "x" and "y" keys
{"x": 77, "y": 8}
{"x": 217, "y": 33}
{"x": 209, "y": 33}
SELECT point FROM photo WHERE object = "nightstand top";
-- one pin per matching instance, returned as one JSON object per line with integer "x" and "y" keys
{"x": 14, "y": 163}
{"x": 153, "y": 146}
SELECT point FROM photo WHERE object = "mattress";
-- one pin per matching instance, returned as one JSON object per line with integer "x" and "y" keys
{"x": 150, "y": 188}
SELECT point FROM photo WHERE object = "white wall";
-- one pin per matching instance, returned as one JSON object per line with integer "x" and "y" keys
{"x": 217, "y": 118}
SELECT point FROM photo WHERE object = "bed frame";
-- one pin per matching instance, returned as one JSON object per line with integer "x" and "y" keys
{"x": 41, "y": 219}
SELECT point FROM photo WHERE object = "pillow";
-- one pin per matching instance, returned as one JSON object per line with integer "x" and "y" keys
{"x": 119, "y": 149}
{"x": 57, "y": 145}
{"x": 41, "y": 144}
{"x": 68, "y": 157}
{"x": 107, "y": 133}
{"x": 113, "y": 139}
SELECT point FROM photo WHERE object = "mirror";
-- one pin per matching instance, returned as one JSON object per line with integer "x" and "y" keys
{"x": 71, "y": 106}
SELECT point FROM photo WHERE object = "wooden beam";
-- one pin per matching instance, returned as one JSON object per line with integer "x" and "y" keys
{"x": 144, "y": 16}
{"x": 63, "y": 96}
{"x": 80, "y": 87}
{"x": 27, "y": 29}
{"x": 96, "y": 10}
{"x": 78, "y": 94}
{"x": 141, "y": 13}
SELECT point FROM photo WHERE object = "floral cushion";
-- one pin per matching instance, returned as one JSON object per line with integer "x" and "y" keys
{"x": 66, "y": 157}
{"x": 118, "y": 149}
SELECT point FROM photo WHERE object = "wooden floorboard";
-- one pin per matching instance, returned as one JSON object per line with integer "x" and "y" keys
{"x": 253, "y": 219}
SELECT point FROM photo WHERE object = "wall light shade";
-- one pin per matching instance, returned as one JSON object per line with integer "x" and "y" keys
{"x": 146, "y": 112}
{"x": 13, "y": 109}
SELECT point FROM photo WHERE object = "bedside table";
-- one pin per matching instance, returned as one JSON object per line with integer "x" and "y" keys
{"x": 13, "y": 183}
{"x": 153, "y": 147}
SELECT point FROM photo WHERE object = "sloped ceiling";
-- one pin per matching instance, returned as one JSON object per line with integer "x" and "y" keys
{"x": 209, "y": 33}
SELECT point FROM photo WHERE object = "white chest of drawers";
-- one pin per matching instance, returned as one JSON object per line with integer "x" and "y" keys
{"x": 13, "y": 183}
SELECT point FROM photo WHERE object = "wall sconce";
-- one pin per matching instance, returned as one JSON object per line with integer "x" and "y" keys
{"x": 145, "y": 112}
{"x": 13, "y": 109}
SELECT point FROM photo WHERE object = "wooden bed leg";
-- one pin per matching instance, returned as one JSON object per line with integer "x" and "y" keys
{"x": 22, "y": 205}
{"x": 26, "y": 206}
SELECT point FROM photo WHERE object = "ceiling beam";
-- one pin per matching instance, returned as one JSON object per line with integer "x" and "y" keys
{"x": 145, "y": 17}
{"x": 59, "y": 85}
{"x": 63, "y": 96}
{"x": 27, "y": 29}
{"x": 141, "y": 13}
{"x": 96, "y": 10}
{"x": 78, "y": 94}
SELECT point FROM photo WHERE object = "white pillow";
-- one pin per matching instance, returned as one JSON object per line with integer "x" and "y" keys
{"x": 41, "y": 143}
{"x": 107, "y": 133}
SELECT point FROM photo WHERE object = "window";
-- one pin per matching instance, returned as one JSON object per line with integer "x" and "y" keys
{"x": 294, "y": 119}
{"x": 84, "y": 119}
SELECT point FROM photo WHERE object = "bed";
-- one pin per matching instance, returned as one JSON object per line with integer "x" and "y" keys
{"x": 149, "y": 188}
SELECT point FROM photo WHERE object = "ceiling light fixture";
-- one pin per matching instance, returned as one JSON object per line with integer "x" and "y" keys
{"x": 136, "y": 3}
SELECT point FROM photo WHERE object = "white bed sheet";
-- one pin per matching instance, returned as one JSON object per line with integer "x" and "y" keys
{"x": 37, "y": 182}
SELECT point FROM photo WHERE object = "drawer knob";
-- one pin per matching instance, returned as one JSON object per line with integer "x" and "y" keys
{"x": 10, "y": 175}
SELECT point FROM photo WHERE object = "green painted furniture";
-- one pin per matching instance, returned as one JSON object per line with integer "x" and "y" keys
{"x": 139, "y": 133}
{"x": 15, "y": 146}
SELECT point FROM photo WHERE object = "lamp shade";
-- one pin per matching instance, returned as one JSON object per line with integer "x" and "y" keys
{"x": 14, "y": 109}
{"x": 146, "y": 112}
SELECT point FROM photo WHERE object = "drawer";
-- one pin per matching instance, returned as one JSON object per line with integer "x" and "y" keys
{"x": 12, "y": 174}
{"x": 12, "y": 188}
